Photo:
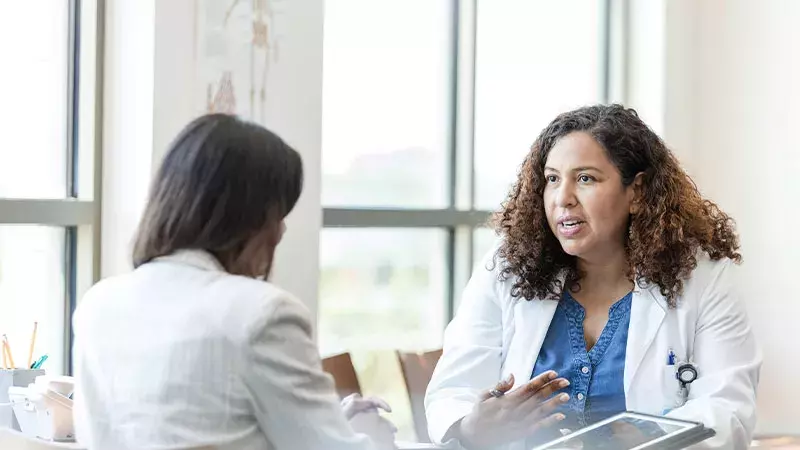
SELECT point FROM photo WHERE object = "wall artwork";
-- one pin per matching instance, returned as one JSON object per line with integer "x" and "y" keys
{"x": 237, "y": 41}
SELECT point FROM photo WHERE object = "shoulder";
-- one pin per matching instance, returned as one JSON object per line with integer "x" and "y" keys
{"x": 710, "y": 281}
{"x": 93, "y": 303}
{"x": 254, "y": 304}
{"x": 487, "y": 275}
{"x": 710, "y": 273}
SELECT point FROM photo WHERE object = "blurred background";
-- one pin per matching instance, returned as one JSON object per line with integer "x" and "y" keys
{"x": 412, "y": 117}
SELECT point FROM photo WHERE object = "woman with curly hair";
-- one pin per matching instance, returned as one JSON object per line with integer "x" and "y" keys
{"x": 611, "y": 271}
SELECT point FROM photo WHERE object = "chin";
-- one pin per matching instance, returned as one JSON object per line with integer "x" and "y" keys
{"x": 572, "y": 248}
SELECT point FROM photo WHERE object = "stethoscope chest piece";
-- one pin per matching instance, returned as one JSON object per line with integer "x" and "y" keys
{"x": 686, "y": 373}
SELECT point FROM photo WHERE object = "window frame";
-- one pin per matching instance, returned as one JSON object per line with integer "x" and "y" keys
{"x": 78, "y": 213}
{"x": 460, "y": 219}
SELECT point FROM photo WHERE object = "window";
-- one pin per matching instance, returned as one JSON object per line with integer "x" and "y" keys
{"x": 384, "y": 283}
{"x": 48, "y": 213}
{"x": 385, "y": 103}
{"x": 530, "y": 66}
{"x": 484, "y": 240}
{"x": 429, "y": 107}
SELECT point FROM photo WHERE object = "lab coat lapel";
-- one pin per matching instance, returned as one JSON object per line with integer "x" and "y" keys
{"x": 531, "y": 321}
{"x": 648, "y": 310}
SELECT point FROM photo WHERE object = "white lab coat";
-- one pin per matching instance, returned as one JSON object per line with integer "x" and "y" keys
{"x": 180, "y": 353}
{"x": 494, "y": 335}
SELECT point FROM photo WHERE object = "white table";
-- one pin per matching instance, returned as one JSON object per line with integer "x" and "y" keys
{"x": 14, "y": 440}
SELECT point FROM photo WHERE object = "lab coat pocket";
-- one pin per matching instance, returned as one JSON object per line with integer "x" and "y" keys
{"x": 671, "y": 391}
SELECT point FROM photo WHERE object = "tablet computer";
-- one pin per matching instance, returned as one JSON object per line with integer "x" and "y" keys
{"x": 633, "y": 431}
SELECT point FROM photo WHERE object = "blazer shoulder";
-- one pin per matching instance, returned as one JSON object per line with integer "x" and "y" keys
{"x": 255, "y": 303}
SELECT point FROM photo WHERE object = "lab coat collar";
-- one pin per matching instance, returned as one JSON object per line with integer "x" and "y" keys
{"x": 200, "y": 259}
{"x": 532, "y": 320}
{"x": 648, "y": 310}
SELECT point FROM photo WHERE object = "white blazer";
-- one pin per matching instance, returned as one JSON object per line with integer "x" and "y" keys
{"x": 180, "y": 353}
{"x": 494, "y": 335}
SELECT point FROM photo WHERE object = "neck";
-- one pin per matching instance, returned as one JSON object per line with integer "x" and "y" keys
{"x": 606, "y": 276}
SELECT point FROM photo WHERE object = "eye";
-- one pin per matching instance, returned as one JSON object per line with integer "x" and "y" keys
{"x": 551, "y": 178}
{"x": 583, "y": 178}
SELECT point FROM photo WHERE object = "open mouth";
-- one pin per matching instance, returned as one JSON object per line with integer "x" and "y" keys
{"x": 571, "y": 223}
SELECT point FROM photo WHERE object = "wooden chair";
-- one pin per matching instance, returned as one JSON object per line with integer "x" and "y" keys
{"x": 417, "y": 370}
{"x": 344, "y": 374}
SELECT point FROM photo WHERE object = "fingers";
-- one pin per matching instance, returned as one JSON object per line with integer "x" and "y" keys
{"x": 537, "y": 410}
{"x": 350, "y": 398}
{"x": 542, "y": 386}
{"x": 502, "y": 386}
{"x": 378, "y": 403}
{"x": 549, "y": 389}
{"x": 547, "y": 422}
{"x": 537, "y": 383}
{"x": 354, "y": 404}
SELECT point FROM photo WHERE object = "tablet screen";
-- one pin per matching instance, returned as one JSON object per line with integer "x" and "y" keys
{"x": 622, "y": 432}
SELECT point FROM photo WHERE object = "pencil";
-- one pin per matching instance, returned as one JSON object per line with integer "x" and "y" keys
{"x": 8, "y": 352}
{"x": 5, "y": 358}
{"x": 33, "y": 344}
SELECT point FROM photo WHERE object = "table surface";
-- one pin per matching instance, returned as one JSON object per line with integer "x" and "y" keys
{"x": 10, "y": 439}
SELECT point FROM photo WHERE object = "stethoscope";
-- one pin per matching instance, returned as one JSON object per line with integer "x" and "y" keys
{"x": 686, "y": 374}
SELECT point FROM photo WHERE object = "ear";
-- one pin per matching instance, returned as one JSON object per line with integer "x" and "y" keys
{"x": 637, "y": 191}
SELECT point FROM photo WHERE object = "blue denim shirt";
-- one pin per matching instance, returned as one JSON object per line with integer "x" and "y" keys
{"x": 596, "y": 390}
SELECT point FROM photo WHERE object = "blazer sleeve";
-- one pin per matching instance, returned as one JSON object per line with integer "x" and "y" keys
{"x": 293, "y": 398}
{"x": 472, "y": 354}
{"x": 728, "y": 360}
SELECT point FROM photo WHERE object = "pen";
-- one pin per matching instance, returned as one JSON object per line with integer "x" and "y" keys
{"x": 39, "y": 362}
{"x": 33, "y": 344}
{"x": 671, "y": 358}
{"x": 8, "y": 352}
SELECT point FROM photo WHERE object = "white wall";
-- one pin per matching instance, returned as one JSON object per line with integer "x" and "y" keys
{"x": 730, "y": 96}
{"x": 152, "y": 91}
{"x": 294, "y": 111}
{"x": 127, "y": 126}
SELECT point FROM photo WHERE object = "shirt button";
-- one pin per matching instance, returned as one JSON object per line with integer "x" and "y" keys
{"x": 585, "y": 369}
{"x": 580, "y": 396}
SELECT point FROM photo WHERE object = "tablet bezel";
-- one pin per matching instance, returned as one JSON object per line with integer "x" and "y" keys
{"x": 687, "y": 427}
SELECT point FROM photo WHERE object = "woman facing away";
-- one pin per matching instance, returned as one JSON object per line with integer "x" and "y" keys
{"x": 611, "y": 271}
{"x": 195, "y": 348}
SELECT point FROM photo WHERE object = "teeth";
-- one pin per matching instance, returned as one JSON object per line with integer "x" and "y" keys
{"x": 570, "y": 224}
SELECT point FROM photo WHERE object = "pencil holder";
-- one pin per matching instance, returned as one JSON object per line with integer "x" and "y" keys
{"x": 9, "y": 378}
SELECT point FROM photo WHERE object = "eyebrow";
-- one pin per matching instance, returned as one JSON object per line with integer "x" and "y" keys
{"x": 577, "y": 169}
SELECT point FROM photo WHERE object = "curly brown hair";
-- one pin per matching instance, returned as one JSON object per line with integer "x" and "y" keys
{"x": 664, "y": 235}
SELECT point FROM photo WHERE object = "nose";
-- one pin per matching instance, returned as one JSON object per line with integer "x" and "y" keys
{"x": 565, "y": 195}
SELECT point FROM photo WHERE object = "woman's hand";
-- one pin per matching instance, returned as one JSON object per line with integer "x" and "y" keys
{"x": 364, "y": 418}
{"x": 497, "y": 420}
{"x": 355, "y": 403}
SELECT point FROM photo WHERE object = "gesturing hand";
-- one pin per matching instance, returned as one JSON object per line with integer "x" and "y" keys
{"x": 503, "y": 415}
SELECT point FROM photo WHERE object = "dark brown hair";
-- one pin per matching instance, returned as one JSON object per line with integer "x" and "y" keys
{"x": 222, "y": 181}
{"x": 664, "y": 236}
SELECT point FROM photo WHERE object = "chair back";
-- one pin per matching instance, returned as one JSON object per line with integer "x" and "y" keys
{"x": 344, "y": 374}
{"x": 417, "y": 370}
